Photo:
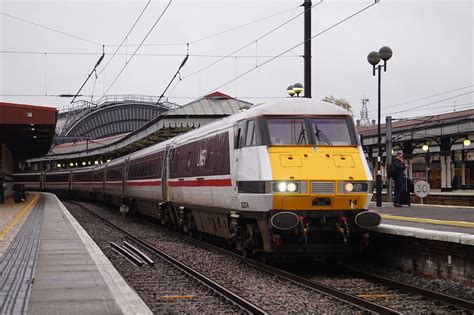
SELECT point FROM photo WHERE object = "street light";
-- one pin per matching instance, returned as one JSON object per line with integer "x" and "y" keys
{"x": 384, "y": 53}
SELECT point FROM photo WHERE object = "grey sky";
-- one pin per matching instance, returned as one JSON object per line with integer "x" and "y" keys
{"x": 432, "y": 43}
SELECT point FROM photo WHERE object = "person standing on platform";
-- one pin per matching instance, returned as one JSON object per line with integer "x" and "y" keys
{"x": 398, "y": 167}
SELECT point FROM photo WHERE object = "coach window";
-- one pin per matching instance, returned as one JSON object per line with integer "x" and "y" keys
{"x": 207, "y": 163}
{"x": 188, "y": 161}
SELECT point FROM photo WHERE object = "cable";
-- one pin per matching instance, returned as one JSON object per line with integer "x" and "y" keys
{"x": 435, "y": 102}
{"x": 219, "y": 33}
{"x": 131, "y": 57}
{"x": 172, "y": 79}
{"x": 250, "y": 43}
{"x": 426, "y": 97}
{"x": 50, "y": 29}
{"x": 93, "y": 70}
{"x": 243, "y": 25}
{"x": 295, "y": 46}
{"x": 461, "y": 107}
{"x": 139, "y": 54}
{"x": 125, "y": 38}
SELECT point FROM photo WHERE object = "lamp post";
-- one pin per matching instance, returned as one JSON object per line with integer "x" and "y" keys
{"x": 384, "y": 53}
{"x": 296, "y": 88}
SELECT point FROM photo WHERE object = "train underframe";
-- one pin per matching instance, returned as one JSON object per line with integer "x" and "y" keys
{"x": 317, "y": 233}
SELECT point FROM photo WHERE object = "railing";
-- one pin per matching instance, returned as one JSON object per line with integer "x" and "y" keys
{"x": 82, "y": 105}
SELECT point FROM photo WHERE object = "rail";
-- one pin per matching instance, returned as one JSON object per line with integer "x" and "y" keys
{"x": 229, "y": 295}
{"x": 468, "y": 305}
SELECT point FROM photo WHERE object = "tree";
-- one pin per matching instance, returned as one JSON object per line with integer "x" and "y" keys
{"x": 339, "y": 102}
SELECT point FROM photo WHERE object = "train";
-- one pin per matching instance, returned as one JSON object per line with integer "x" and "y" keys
{"x": 282, "y": 178}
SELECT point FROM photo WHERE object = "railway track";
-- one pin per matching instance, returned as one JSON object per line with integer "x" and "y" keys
{"x": 362, "y": 302}
{"x": 305, "y": 280}
{"x": 354, "y": 299}
{"x": 241, "y": 303}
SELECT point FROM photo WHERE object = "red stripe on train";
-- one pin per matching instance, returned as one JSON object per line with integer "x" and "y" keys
{"x": 155, "y": 183}
{"x": 202, "y": 183}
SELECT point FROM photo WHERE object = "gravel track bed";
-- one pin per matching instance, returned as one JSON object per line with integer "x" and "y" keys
{"x": 270, "y": 293}
{"x": 164, "y": 288}
{"x": 404, "y": 302}
{"x": 447, "y": 287}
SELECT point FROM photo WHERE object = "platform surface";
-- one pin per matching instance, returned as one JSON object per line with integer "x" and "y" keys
{"x": 438, "y": 222}
{"x": 49, "y": 265}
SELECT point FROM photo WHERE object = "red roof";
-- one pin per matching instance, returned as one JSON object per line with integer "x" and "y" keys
{"x": 217, "y": 95}
{"x": 21, "y": 114}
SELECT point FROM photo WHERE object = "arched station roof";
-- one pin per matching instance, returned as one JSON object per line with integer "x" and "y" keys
{"x": 115, "y": 119}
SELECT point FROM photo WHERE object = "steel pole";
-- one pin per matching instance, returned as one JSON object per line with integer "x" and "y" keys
{"x": 378, "y": 177}
{"x": 307, "y": 48}
{"x": 388, "y": 145}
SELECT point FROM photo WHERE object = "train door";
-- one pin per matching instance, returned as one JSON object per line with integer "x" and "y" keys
{"x": 165, "y": 173}
{"x": 126, "y": 164}
{"x": 239, "y": 140}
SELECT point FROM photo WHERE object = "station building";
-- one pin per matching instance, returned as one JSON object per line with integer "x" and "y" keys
{"x": 25, "y": 132}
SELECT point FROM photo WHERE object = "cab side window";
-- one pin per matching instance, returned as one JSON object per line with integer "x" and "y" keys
{"x": 250, "y": 138}
{"x": 239, "y": 135}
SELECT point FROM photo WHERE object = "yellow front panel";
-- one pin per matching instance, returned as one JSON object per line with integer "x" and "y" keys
{"x": 317, "y": 164}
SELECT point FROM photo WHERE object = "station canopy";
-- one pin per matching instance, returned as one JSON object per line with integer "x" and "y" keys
{"x": 27, "y": 130}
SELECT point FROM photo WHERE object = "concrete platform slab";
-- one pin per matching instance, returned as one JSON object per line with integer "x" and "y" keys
{"x": 62, "y": 269}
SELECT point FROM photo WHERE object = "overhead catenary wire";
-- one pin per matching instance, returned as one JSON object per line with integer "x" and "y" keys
{"x": 125, "y": 38}
{"x": 461, "y": 107}
{"x": 218, "y": 33}
{"x": 431, "y": 103}
{"x": 172, "y": 79}
{"x": 426, "y": 97}
{"x": 138, "y": 54}
{"x": 295, "y": 46}
{"x": 136, "y": 50}
{"x": 50, "y": 29}
{"x": 93, "y": 70}
{"x": 242, "y": 25}
{"x": 250, "y": 43}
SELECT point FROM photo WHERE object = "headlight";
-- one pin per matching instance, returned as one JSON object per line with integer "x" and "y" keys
{"x": 292, "y": 187}
{"x": 349, "y": 187}
{"x": 283, "y": 187}
{"x": 356, "y": 187}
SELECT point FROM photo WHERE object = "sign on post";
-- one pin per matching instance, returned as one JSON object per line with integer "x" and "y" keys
{"x": 422, "y": 189}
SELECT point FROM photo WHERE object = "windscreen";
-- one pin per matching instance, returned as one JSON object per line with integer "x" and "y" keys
{"x": 331, "y": 131}
{"x": 286, "y": 131}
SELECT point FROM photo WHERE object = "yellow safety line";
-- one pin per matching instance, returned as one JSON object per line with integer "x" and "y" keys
{"x": 429, "y": 221}
{"x": 172, "y": 297}
{"x": 18, "y": 217}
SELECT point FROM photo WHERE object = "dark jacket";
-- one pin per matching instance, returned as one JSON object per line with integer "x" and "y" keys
{"x": 399, "y": 167}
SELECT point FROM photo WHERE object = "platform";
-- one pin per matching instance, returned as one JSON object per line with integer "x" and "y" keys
{"x": 49, "y": 264}
{"x": 435, "y": 222}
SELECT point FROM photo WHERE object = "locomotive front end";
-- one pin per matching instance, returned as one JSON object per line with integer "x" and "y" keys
{"x": 311, "y": 185}
{"x": 321, "y": 186}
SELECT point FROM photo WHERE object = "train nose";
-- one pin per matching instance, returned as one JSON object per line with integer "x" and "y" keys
{"x": 284, "y": 220}
{"x": 367, "y": 219}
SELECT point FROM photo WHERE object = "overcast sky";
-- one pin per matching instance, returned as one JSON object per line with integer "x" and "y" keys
{"x": 432, "y": 43}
